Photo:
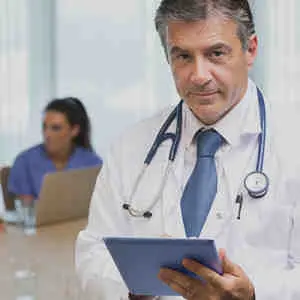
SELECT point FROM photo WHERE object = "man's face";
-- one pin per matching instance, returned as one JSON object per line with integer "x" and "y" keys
{"x": 209, "y": 65}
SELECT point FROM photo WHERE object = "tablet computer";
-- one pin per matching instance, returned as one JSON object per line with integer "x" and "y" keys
{"x": 140, "y": 259}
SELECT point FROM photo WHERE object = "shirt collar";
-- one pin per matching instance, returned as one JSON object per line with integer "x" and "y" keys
{"x": 242, "y": 120}
{"x": 73, "y": 154}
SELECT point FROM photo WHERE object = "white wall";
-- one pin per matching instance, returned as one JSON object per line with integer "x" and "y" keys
{"x": 108, "y": 54}
{"x": 26, "y": 72}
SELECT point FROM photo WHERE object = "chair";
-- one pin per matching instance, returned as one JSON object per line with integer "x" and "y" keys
{"x": 9, "y": 198}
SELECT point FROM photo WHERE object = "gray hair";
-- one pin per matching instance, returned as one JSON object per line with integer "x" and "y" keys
{"x": 197, "y": 10}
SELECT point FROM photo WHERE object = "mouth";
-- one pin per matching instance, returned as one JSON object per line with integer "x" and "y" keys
{"x": 204, "y": 94}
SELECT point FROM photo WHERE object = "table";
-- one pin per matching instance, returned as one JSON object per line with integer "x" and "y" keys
{"x": 49, "y": 254}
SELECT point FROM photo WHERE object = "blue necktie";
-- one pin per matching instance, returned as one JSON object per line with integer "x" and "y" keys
{"x": 201, "y": 188}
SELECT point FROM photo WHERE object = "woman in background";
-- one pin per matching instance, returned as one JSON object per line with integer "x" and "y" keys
{"x": 66, "y": 145}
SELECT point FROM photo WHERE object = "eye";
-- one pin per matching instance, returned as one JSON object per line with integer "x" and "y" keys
{"x": 182, "y": 57}
{"x": 55, "y": 127}
{"x": 217, "y": 53}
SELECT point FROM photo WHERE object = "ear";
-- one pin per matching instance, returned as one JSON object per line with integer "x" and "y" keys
{"x": 75, "y": 131}
{"x": 251, "y": 52}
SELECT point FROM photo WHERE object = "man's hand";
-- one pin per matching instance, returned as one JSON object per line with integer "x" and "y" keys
{"x": 232, "y": 285}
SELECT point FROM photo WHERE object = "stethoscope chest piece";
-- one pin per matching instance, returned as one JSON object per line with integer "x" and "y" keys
{"x": 257, "y": 184}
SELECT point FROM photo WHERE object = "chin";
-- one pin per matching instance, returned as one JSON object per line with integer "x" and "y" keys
{"x": 208, "y": 120}
{"x": 50, "y": 150}
{"x": 206, "y": 114}
{"x": 209, "y": 114}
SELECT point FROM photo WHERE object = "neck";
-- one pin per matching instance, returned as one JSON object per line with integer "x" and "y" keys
{"x": 61, "y": 158}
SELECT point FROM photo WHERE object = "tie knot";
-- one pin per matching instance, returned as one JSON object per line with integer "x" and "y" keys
{"x": 208, "y": 142}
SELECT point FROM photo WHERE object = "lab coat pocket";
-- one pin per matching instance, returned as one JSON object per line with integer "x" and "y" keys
{"x": 295, "y": 237}
{"x": 268, "y": 226}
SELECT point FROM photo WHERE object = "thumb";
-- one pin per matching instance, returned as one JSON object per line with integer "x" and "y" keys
{"x": 228, "y": 266}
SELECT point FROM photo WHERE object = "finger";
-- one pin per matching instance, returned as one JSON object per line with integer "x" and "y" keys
{"x": 229, "y": 267}
{"x": 186, "y": 294}
{"x": 208, "y": 275}
{"x": 222, "y": 254}
{"x": 168, "y": 276}
{"x": 180, "y": 283}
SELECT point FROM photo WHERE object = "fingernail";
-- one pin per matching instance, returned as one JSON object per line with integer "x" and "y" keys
{"x": 163, "y": 275}
{"x": 186, "y": 262}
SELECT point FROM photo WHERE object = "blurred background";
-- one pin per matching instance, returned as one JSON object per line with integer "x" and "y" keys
{"x": 108, "y": 54}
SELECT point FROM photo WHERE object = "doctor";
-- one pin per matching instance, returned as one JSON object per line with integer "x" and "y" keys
{"x": 223, "y": 175}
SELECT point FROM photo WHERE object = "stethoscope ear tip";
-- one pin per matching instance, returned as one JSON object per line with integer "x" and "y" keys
{"x": 147, "y": 215}
{"x": 126, "y": 206}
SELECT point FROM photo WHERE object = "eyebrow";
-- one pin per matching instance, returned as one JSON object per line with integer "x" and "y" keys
{"x": 52, "y": 125}
{"x": 176, "y": 49}
{"x": 220, "y": 45}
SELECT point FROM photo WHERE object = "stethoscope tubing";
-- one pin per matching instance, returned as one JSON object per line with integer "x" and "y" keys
{"x": 163, "y": 135}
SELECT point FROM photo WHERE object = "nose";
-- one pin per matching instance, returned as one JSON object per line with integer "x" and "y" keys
{"x": 46, "y": 132}
{"x": 201, "y": 72}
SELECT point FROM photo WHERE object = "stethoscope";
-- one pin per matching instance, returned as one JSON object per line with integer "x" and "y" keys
{"x": 256, "y": 183}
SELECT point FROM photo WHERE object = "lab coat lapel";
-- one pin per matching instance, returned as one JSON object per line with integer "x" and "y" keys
{"x": 173, "y": 223}
{"x": 173, "y": 191}
{"x": 169, "y": 220}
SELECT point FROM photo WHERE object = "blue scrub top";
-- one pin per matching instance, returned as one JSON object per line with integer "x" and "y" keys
{"x": 30, "y": 167}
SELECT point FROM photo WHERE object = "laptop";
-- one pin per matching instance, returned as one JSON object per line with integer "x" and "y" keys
{"x": 65, "y": 195}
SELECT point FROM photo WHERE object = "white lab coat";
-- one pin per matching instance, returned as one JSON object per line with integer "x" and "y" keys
{"x": 265, "y": 242}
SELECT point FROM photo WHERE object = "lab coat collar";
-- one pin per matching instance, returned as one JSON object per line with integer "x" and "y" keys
{"x": 242, "y": 120}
